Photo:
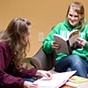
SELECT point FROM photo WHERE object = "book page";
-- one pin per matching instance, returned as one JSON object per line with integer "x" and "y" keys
{"x": 57, "y": 80}
{"x": 73, "y": 37}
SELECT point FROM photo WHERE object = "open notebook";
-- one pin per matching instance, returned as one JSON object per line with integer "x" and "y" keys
{"x": 57, "y": 80}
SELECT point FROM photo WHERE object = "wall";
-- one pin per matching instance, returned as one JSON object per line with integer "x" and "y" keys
{"x": 43, "y": 14}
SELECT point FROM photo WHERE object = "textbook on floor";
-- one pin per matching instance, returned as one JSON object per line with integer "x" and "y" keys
{"x": 78, "y": 82}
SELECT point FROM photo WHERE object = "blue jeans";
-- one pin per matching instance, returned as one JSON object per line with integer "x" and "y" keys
{"x": 74, "y": 62}
{"x": 28, "y": 79}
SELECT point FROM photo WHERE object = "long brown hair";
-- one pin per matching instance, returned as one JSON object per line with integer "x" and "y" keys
{"x": 14, "y": 35}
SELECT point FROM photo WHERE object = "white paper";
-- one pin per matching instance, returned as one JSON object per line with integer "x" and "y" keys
{"x": 57, "y": 80}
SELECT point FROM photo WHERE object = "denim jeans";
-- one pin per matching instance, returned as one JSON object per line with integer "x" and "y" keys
{"x": 74, "y": 62}
{"x": 28, "y": 79}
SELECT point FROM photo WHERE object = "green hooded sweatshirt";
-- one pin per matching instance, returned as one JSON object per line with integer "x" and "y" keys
{"x": 64, "y": 29}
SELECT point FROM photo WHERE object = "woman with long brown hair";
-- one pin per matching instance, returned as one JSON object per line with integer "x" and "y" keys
{"x": 13, "y": 44}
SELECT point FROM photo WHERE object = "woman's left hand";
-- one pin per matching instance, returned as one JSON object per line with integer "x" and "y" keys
{"x": 81, "y": 42}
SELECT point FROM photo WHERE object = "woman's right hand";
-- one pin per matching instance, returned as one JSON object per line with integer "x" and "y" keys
{"x": 30, "y": 85}
{"x": 55, "y": 45}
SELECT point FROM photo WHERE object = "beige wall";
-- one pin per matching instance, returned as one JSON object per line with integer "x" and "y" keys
{"x": 43, "y": 14}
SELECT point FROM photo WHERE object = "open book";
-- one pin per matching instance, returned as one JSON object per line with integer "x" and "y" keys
{"x": 57, "y": 80}
{"x": 66, "y": 43}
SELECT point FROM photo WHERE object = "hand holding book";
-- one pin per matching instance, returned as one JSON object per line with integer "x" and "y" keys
{"x": 81, "y": 42}
{"x": 55, "y": 45}
{"x": 66, "y": 44}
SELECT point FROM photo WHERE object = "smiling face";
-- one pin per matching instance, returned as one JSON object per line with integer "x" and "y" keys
{"x": 75, "y": 14}
{"x": 73, "y": 17}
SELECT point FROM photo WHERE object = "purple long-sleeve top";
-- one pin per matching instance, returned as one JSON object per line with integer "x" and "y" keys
{"x": 7, "y": 79}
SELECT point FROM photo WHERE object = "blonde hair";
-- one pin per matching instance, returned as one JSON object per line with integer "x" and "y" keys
{"x": 79, "y": 8}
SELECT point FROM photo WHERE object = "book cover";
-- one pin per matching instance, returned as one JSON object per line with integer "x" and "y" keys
{"x": 78, "y": 82}
{"x": 66, "y": 43}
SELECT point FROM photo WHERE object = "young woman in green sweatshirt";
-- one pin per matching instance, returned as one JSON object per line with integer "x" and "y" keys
{"x": 78, "y": 59}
